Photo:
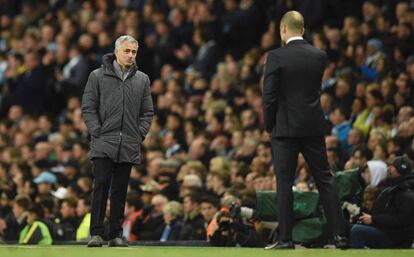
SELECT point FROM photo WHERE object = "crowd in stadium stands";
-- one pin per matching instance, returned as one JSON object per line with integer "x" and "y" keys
{"x": 207, "y": 147}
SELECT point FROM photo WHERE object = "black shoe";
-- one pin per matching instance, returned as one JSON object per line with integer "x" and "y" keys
{"x": 280, "y": 245}
{"x": 341, "y": 242}
{"x": 117, "y": 242}
{"x": 95, "y": 241}
{"x": 338, "y": 242}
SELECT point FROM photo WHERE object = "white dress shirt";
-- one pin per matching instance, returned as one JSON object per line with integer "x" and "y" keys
{"x": 294, "y": 38}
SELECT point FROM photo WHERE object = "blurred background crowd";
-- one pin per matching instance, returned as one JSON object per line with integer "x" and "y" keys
{"x": 207, "y": 143}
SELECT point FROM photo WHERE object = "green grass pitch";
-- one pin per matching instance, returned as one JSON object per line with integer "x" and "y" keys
{"x": 153, "y": 251}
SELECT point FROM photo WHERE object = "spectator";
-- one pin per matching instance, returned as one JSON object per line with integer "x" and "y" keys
{"x": 68, "y": 222}
{"x": 390, "y": 223}
{"x": 373, "y": 174}
{"x": 17, "y": 220}
{"x": 83, "y": 212}
{"x": 193, "y": 227}
{"x": 36, "y": 231}
{"x": 173, "y": 212}
{"x": 208, "y": 53}
{"x": 150, "y": 226}
{"x": 133, "y": 210}
{"x": 75, "y": 73}
{"x": 208, "y": 208}
{"x": 341, "y": 126}
{"x": 355, "y": 139}
{"x": 31, "y": 90}
{"x": 366, "y": 118}
{"x": 45, "y": 182}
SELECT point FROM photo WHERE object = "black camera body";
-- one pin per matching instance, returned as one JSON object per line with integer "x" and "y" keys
{"x": 355, "y": 219}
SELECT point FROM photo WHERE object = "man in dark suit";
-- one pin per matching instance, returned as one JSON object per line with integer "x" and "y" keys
{"x": 294, "y": 117}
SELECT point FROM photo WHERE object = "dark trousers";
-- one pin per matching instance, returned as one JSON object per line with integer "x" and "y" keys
{"x": 368, "y": 236}
{"x": 285, "y": 157}
{"x": 114, "y": 177}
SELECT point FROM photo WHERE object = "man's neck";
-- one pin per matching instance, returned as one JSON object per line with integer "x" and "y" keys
{"x": 124, "y": 68}
{"x": 294, "y": 37}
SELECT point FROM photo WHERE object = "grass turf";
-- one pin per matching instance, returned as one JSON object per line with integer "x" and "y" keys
{"x": 153, "y": 251}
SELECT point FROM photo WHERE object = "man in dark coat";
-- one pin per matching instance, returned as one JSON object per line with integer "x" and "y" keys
{"x": 17, "y": 220}
{"x": 193, "y": 226}
{"x": 294, "y": 117}
{"x": 32, "y": 88}
{"x": 117, "y": 109}
{"x": 390, "y": 224}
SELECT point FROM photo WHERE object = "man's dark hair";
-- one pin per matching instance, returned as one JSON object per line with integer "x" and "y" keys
{"x": 206, "y": 33}
{"x": 70, "y": 201}
{"x": 86, "y": 200}
{"x": 134, "y": 199}
{"x": 23, "y": 202}
{"x": 38, "y": 210}
{"x": 343, "y": 111}
{"x": 210, "y": 199}
{"x": 365, "y": 152}
{"x": 47, "y": 203}
{"x": 194, "y": 196}
{"x": 376, "y": 93}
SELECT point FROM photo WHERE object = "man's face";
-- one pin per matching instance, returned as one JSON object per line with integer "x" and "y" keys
{"x": 208, "y": 210}
{"x": 81, "y": 209}
{"x": 188, "y": 205}
{"x": 336, "y": 117}
{"x": 44, "y": 188}
{"x": 126, "y": 54}
{"x": 392, "y": 172}
{"x": 31, "y": 61}
{"x": 66, "y": 211}
{"x": 17, "y": 210}
{"x": 158, "y": 205}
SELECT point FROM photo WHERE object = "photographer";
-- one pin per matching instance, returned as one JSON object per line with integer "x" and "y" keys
{"x": 390, "y": 224}
{"x": 150, "y": 225}
{"x": 228, "y": 229}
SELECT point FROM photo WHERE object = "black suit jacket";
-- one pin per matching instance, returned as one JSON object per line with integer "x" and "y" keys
{"x": 291, "y": 91}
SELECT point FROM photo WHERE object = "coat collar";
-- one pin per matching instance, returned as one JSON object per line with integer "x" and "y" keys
{"x": 109, "y": 69}
{"x": 297, "y": 42}
{"x": 294, "y": 38}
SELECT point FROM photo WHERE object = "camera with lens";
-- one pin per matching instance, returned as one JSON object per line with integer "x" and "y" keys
{"x": 234, "y": 211}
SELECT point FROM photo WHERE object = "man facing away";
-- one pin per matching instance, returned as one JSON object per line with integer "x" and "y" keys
{"x": 294, "y": 117}
{"x": 118, "y": 110}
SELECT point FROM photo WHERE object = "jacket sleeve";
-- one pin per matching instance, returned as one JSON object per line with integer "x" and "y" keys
{"x": 399, "y": 219}
{"x": 147, "y": 110}
{"x": 270, "y": 91}
{"x": 31, "y": 235}
{"x": 90, "y": 105}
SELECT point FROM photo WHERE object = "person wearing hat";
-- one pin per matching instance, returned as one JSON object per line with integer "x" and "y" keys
{"x": 390, "y": 223}
{"x": 70, "y": 173}
{"x": 45, "y": 182}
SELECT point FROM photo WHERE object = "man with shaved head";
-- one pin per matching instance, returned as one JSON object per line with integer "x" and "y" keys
{"x": 294, "y": 117}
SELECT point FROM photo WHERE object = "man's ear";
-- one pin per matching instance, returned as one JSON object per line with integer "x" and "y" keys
{"x": 283, "y": 28}
{"x": 303, "y": 31}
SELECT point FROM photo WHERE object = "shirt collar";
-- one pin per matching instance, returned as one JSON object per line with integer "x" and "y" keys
{"x": 118, "y": 70}
{"x": 294, "y": 38}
